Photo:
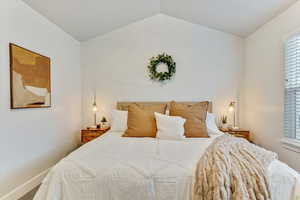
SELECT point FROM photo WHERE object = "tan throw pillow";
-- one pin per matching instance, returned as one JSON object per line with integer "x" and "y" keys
{"x": 141, "y": 120}
{"x": 195, "y": 115}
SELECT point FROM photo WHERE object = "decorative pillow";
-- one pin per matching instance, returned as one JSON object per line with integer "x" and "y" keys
{"x": 141, "y": 120}
{"x": 169, "y": 127}
{"x": 211, "y": 123}
{"x": 119, "y": 120}
{"x": 195, "y": 115}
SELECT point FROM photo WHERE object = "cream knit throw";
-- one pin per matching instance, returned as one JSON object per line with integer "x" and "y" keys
{"x": 233, "y": 169}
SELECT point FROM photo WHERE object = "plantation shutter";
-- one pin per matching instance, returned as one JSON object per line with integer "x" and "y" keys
{"x": 292, "y": 88}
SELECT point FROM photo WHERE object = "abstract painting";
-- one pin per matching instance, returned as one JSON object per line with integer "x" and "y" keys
{"x": 29, "y": 78}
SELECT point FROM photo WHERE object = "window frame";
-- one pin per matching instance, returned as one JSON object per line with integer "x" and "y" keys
{"x": 291, "y": 144}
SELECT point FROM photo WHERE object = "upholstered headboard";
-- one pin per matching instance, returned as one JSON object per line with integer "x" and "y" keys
{"x": 124, "y": 105}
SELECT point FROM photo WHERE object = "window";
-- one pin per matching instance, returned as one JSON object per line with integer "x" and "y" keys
{"x": 292, "y": 88}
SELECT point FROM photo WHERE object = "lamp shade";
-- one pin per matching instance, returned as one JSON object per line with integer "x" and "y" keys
{"x": 95, "y": 108}
{"x": 231, "y": 107}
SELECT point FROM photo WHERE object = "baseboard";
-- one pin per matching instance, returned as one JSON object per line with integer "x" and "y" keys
{"x": 26, "y": 187}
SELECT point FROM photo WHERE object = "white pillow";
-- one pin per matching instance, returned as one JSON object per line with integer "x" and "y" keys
{"x": 211, "y": 123}
{"x": 169, "y": 127}
{"x": 119, "y": 120}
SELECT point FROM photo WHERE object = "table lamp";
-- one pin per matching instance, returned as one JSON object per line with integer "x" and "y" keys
{"x": 231, "y": 108}
{"x": 95, "y": 109}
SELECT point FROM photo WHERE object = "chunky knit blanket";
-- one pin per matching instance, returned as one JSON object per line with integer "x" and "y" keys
{"x": 233, "y": 169}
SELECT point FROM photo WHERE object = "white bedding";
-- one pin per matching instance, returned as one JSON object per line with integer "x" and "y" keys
{"x": 115, "y": 168}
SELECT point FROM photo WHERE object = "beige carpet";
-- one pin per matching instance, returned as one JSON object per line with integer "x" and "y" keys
{"x": 29, "y": 195}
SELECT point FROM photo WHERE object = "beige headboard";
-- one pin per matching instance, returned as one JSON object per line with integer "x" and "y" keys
{"x": 124, "y": 105}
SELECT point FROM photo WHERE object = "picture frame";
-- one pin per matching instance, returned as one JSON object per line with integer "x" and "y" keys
{"x": 30, "y": 78}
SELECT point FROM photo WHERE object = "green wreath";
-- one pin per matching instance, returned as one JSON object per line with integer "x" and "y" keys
{"x": 161, "y": 76}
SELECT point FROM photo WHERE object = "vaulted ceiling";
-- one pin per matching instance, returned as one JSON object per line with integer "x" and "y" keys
{"x": 85, "y": 19}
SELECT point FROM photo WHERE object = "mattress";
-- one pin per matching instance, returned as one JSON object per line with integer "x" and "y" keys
{"x": 112, "y": 167}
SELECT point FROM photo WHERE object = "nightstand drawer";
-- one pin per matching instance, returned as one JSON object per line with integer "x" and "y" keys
{"x": 87, "y": 139}
{"x": 238, "y": 133}
{"x": 90, "y": 134}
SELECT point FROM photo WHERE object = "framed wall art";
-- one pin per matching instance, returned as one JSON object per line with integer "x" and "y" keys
{"x": 29, "y": 78}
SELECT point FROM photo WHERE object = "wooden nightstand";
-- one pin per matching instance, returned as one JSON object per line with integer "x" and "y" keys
{"x": 90, "y": 134}
{"x": 238, "y": 133}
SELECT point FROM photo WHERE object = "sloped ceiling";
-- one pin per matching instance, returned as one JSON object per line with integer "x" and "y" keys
{"x": 85, "y": 19}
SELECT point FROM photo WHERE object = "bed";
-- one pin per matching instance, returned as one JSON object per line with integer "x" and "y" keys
{"x": 113, "y": 167}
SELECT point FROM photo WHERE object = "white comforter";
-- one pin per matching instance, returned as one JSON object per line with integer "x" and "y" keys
{"x": 116, "y": 168}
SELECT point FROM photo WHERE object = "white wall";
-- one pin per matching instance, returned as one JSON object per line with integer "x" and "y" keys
{"x": 209, "y": 64}
{"x": 32, "y": 140}
{"x": 264, "y": 83}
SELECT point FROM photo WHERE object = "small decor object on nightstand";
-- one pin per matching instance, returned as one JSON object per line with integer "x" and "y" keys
{"x": 90, "y": 134}
{"x": 224, "y": 121}
{"x": 104, "y": 122}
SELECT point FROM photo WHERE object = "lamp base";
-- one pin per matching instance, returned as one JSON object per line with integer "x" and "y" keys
{"x": 235, "y": 128}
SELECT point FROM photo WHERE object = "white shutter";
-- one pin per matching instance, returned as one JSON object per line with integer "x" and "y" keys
{"x": 292, "y": 88}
